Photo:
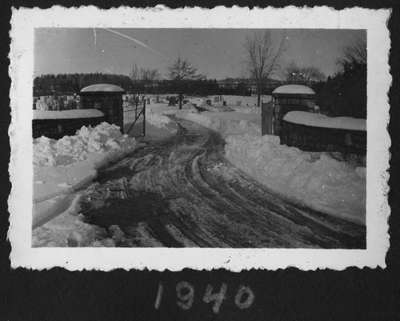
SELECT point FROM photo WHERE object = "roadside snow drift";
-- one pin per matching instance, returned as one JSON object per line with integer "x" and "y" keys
{"x": 313, "y": 179}
{"x": 63, "y": 166}
{"x": 102, "y": 139}
{"x": 316, "y": 180}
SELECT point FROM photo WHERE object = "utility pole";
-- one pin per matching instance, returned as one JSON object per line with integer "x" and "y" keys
{"x": 144, "y": 117}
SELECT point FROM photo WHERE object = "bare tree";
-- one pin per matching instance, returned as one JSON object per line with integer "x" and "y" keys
{"x": 354, "y": 54}
{"x": 181, "y": 70}
{"x": 306, "y": 75}
{"x": 149, "y": 75}
{"x": 143, "y": 74}
{"x": 262, "y": 58}
{"x": 135, "y": 73}
{"x": 313, "y": 74}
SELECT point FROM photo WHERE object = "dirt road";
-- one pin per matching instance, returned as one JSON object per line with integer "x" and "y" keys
{"x": 181, "y": 192}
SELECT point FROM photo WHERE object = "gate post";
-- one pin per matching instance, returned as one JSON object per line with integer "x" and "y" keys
{"x": 144, "y": 117}
{"x": 267, "y": 113}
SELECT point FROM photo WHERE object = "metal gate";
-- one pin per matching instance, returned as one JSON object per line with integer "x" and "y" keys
{"x": 138, "y": 111}
{"x": 267, "y": 118}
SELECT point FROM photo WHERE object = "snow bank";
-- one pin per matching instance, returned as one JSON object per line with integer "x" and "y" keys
{"x": 103, "y": 139}
{"x": 51, "y": 181}
{"x": 69, "y": 229}
{"x": 321, "y": 182}
{"x": 67, "y": 114}
{"x": 313, "y": 179}
{"x": 319, "y": 120}
{"x": 63, "y": 166}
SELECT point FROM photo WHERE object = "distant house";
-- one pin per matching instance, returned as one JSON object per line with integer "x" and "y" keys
{"x": 230, "y": 83}
{"x": 250, "y": 84}
{"x": 253, "y": 88}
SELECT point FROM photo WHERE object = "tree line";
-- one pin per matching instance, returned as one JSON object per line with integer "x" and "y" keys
{"x": 345, "y": 93}
{"x": 341, "y": 94}
{"x": 69, "y": 84}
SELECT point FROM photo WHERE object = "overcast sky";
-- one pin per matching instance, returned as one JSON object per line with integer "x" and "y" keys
{"x": 217, "y": 53}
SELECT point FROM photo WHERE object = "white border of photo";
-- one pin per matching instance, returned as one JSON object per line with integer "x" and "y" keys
{"x": 23, "y": 23}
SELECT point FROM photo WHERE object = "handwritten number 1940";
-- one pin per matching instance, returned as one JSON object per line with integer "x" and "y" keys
{"x": 185, "y": 294}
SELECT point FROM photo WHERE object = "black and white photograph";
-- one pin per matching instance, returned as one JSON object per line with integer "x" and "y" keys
{"x": 194, "y": 137}
{"x": 200, "y": 138}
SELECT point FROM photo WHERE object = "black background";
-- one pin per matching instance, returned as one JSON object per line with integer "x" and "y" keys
{"x": 290, "y": 294}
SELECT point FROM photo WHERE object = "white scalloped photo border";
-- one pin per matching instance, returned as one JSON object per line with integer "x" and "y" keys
{"x": 23, "y": 23}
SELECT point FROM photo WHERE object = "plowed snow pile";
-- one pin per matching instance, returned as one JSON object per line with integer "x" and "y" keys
{"x": 315, "y": 180}
{"x": 63, "y": 166}
{"x": 104, "y": 138}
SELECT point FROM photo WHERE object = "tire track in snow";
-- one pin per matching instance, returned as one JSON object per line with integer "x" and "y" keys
{"x": 183, "y": 192}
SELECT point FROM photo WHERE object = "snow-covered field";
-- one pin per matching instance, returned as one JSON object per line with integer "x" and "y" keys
{"x": 245, "y": 104}
{"x": 242, "y": 104}
{"x": 226, "y": 123}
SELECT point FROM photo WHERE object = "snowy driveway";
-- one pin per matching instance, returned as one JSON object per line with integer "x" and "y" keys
{"x": 182, "y": 192}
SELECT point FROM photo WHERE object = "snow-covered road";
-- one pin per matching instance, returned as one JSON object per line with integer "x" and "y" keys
{"x": 181, "y": 191}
